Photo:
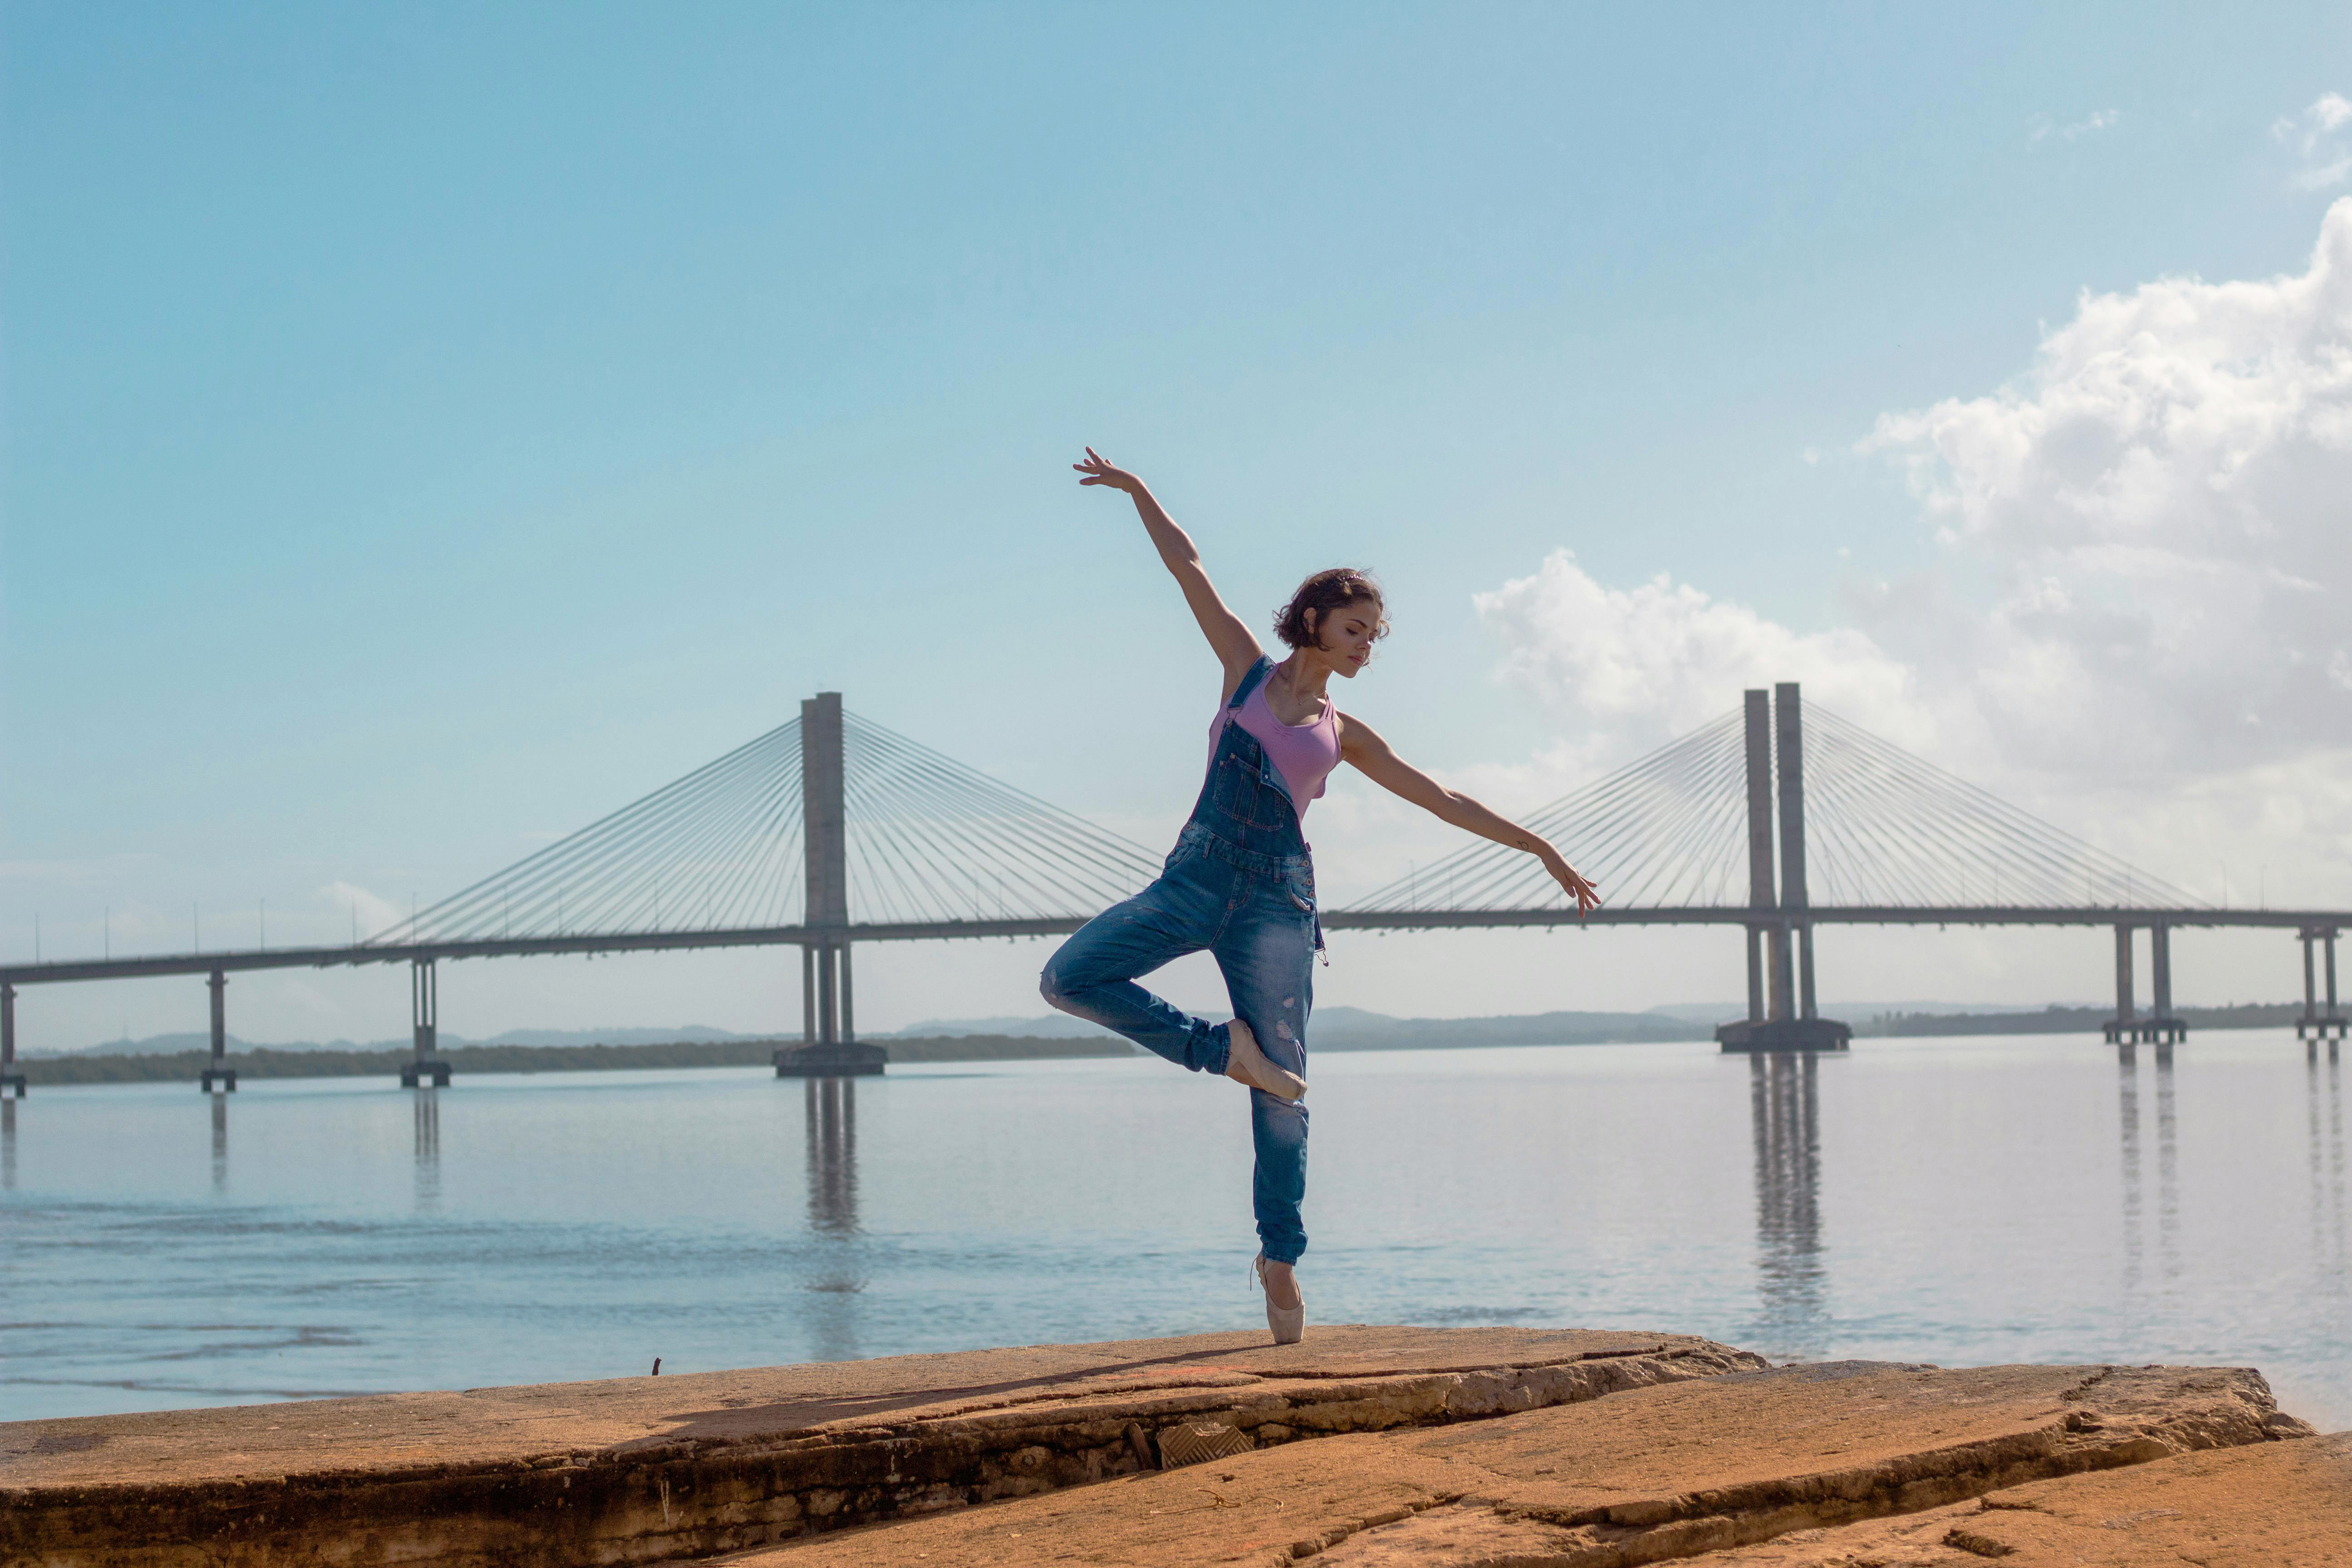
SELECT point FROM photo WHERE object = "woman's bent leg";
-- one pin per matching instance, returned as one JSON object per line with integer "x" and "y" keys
{"x": 1092, "y": 976}
{"x": 1268, "y": 958}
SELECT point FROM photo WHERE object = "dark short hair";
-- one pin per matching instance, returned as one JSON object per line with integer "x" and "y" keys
{"x": 1323, "y": 592}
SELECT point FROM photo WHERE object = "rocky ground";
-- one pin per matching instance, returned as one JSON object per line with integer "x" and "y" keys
{"x": 1365, "y": 1446}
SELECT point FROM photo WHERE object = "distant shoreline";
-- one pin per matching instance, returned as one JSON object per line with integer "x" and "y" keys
{"x": 262, "y": 1062}
{"x": 1417, "y": 1034}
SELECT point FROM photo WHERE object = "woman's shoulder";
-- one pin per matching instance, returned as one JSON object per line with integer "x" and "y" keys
{"x": 1250, "y": 676}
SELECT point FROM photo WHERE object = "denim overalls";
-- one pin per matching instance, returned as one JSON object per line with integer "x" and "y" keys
{"x": 1240, "y": 885}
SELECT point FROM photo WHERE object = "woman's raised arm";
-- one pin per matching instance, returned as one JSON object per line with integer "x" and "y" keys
{"x": 1237, "y": 648}
{"x": 1359, "y": 745}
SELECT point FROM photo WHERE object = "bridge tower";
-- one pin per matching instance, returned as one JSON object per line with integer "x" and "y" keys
{"x": 12, "y": 1077}
{"x": 828, "y": 1047}
{"x": 1775, "y": 731}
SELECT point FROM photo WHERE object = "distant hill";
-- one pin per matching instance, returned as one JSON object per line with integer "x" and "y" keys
{"x": 189, "y": 1040}
{"x": 1343, "y": 1028}
{"x": 1046, "y": 1027}
{"x": 1723, "y": 1012}
{"x": 1352, "y": 1029}
{"x": 93, "y": 1066}
{"x": 2057, "y": 1020}
{"x": 1335, "y": 1028}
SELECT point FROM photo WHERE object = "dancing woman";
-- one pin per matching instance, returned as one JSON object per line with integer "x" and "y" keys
{"x": 1239, "y": 882}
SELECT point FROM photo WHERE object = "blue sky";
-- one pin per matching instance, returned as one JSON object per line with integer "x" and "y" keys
{"x": 428, "y": 427}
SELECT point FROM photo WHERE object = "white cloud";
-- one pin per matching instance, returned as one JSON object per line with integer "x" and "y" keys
{"x": 1632, "y": 666}
{"x": 2101, "y": 119}
{"x": 2138, "y": 624}
{"x": 2316, "y": 137}
{"x": 374, "y": 913}
{"x": 2160, "y": 506}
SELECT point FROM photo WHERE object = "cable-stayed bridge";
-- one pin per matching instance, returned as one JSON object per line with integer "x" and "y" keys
{"x": 830, "y": 831}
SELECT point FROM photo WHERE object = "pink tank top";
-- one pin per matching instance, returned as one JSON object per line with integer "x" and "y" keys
{"x": 1303, "y": 755}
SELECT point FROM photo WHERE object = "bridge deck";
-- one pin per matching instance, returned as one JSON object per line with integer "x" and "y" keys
{"x": 229, "y": 961}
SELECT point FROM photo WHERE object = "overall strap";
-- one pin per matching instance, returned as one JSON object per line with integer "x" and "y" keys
{"x": 1257, "y": 672}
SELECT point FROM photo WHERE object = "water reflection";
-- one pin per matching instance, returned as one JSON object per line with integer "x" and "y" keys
{"x": 8, "y": 1144}
{"x": 2127, "y": 1071}
{"x": 832, "y": 1155}
{"x": 1784, "y": 1107}
{"x": 831, "y": 1108}
{"x": 428, "y": 1111}
{"x": 220, "y": 1141}
{"x": 2326, "y": 1118}
{"x": 2168, "y": 1171}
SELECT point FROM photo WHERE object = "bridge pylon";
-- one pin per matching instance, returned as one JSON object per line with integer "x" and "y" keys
{"x": 10, "y": 1078}
{"x": 828, "y": 1047}
{"x": 1790, "y": 1020}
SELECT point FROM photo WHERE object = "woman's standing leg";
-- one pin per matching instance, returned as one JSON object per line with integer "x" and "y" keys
{"x": 1267, "y": 955}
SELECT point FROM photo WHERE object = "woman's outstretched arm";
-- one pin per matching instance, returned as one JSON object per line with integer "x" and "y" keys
{"x": 1359, "y": 745}
{"x": 1237, "y": 648}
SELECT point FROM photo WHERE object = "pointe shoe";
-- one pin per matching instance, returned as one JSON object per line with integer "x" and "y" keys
{"x": 1288, "y": 1323}
{"x": 1247, "y": 1064}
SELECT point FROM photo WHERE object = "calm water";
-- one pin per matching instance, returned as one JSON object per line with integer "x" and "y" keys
{"x": 1953, "y": 1201}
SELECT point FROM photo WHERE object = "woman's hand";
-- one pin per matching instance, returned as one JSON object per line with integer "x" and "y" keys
{"x": 1098, "y": 472}
{"x": 1587, "y": 896}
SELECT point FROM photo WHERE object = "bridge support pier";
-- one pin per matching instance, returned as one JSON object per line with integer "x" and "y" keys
{"x": 828, "y": 1047}
{"x": 2121, "y": 1029}
{"x": 1780, "y": 991}
{"x": 10, "y": 1077}
{"x": 424, "y": 1027}
{"x": 2163, "y": 1026}
{"x": 1755, "y": 975}
{"x": 2314, "y": 1024}
{"x": 219, "y": 1076}
{"x": 2160, "y": 1027}
{"x": 1805, "y": 1008}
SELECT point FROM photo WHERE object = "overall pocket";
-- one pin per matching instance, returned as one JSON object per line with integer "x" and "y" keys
{"x": 1243, "y": 793}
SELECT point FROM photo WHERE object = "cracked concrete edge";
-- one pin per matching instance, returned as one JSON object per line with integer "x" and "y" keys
{"x": 1687, "y": 1525}
{"x": 2286, "y": 1501}
{"x": 650, "y": 1502}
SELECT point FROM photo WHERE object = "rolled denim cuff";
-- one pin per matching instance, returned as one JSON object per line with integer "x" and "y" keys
{"x": 1217, "y": 1054}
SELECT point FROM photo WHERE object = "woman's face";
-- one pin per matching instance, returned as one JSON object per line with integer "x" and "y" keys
{"x": 1345, "y": 635}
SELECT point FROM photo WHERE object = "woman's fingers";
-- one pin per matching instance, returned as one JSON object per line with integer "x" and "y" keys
{"x": 1587, "y": 897}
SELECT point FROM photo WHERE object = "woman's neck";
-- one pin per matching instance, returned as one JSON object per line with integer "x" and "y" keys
{"x": 1303, "y": 676}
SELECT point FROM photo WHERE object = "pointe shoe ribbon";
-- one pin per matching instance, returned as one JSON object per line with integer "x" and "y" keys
{"x": 1247, "y": 1064}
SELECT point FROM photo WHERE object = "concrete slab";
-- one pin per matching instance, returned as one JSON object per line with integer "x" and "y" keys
{"x": 2275, "y": 1505}
{"x": 1645, "y": 1475}
{"x": 644, "y": 1469}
